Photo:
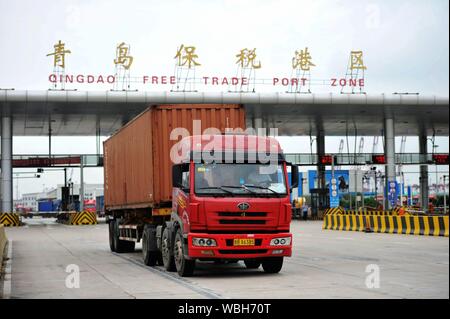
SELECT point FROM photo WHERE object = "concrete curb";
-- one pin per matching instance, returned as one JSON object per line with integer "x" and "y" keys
{"x": 6, "y": 289}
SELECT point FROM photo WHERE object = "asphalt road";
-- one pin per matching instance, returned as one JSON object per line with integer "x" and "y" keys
{"x": 325, "y": 264}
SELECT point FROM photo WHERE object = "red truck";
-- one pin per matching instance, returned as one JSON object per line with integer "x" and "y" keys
{"x": 89, "y": 205}
{"x": 220, "y": 199}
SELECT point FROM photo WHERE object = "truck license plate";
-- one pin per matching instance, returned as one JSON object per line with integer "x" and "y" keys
{"x": 244, "y": 242}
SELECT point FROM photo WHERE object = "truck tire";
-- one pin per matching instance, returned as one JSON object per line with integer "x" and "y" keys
{"x": 159, "y": 260}
{"x": 272, "y": 265}
{"x": 122, "y": 246}
{"x": 167, "y": 251}
{"x": 149, "y": 252}
{"x": 185, "y": 267}
{"x": 252, "y": 263}
{"x": 111, "y": 236}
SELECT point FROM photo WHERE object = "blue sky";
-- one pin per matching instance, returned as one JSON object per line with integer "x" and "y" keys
{"x": 405, "y": 45}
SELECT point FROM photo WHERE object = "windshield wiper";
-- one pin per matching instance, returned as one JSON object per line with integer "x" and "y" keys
{"x": 240, "y": 187}
{"x": 214, "y": 187}
{"x": 261, "y": 187}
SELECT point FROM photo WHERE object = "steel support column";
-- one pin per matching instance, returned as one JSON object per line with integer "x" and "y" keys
{"x": 6, "y": 160}
{"x": 389, "y": 149}
{"x": 267, "y": 126}
{"x": 258, "y": 126}
{"x": 257, "y": 123}
{"x": 320, "y": 145}
{"x": 423, "y": 178}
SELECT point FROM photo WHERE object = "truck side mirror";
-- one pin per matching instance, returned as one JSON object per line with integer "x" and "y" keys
{"x": 177, "y": 175}
{"x": 294, "y": 176}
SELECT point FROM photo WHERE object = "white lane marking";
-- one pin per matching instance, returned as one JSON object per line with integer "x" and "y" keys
{"x": 345, "y": 238}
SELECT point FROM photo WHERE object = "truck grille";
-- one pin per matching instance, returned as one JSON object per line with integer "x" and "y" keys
{"x": 242, "y": 218}
{"x": 239, "y": 214}
{"x": 241, "y": 222}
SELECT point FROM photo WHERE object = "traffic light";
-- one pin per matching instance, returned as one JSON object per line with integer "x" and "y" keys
{"x": 378, "y": 159}
{"x": 335, "y": 161}
{"x": 440, "y": 159}
{"x": 325, "y": 159}
{"x": 328, "y": 159}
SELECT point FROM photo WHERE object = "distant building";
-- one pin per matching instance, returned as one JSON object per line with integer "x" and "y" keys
{"x": 30, "y": 201}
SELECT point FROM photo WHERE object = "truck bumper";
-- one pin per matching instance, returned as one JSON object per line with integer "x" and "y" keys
{"x": 225, "y": 248}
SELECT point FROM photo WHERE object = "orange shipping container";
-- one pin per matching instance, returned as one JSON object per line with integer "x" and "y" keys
{"x": 137, "y": 164}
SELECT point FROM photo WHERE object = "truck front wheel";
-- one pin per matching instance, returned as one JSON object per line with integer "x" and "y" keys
{"x": 167, "y": 251}
{"x": 272, "y": 265}
{"x": 185, "y": 267}
{"x": 252, "y": 263}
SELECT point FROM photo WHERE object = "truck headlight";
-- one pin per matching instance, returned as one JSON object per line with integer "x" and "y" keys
{"x": 203, "y": 242}
{"x": 282, "y": 241}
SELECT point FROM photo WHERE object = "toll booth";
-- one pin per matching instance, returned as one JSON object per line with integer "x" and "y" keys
{"x": 65, "y": 200}
{"x": 320, "y": 200}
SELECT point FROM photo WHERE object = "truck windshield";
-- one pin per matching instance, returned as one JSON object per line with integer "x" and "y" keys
{"x": 239, "y": 179}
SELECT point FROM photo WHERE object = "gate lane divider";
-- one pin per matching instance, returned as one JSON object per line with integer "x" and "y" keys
{"x": 77, "y": 218}
{"x": 389, "y": 224}
{"x": 10, "y": 219}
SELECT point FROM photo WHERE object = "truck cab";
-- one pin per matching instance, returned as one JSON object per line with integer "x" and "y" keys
{"x": 230, "y": 202}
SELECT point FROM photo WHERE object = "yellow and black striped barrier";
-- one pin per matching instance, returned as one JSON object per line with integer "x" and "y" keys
{"x": 410, "y": 225}
{"x": 406, "y": 224}
{"x": 344, "y": 222}
{"x": 342, "y": 211}
{"x": 370, "y": 212}
{"x": 77, "y": 218}
{"x": 10, "y": 219}
{"x": 333, "y": 210}
{"x": 83, "y": 218}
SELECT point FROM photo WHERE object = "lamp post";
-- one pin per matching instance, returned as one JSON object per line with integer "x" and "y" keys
{"x": 433, "y": 151}
{"x": 377, "y": 175}
{"x": 364, "y": 178}
{"x": 402, "y": 188}
{"x": 374, "y": 172}
{"x": 436, "y": 169}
